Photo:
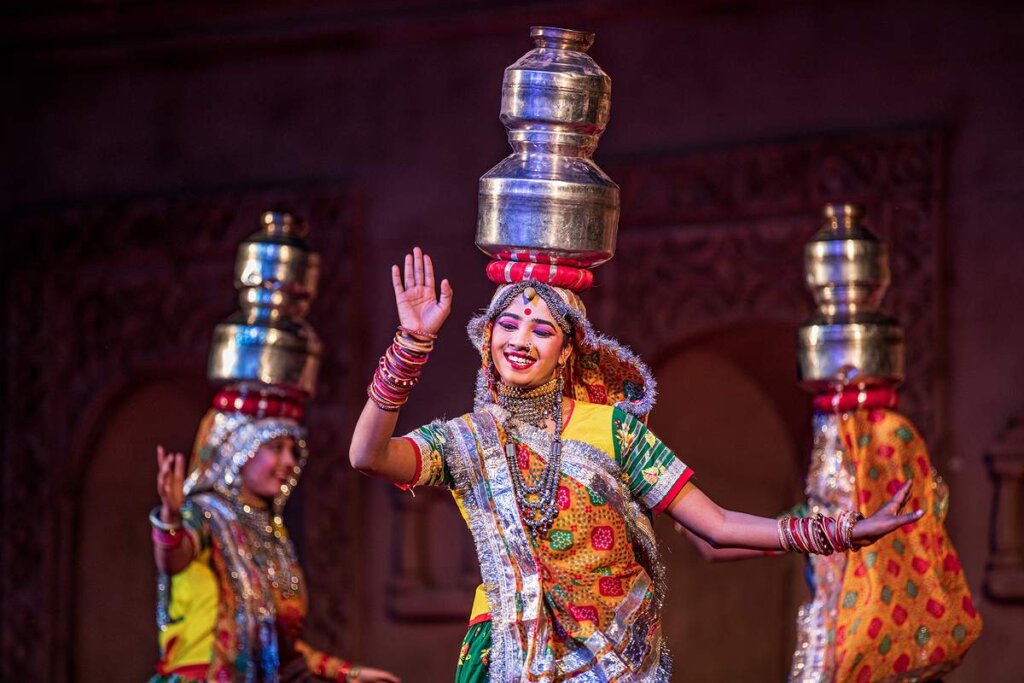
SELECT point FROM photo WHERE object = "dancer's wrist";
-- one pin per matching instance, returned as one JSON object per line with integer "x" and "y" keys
{"x": 399, "y": 369}
{"x": 170, "y": 517}
{"x": 417, "y": 334}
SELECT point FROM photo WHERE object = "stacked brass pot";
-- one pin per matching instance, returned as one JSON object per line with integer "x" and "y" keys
{"x": 268, "y": 345}
{"x": 848, "y": 341}
{"x": 548, "y": 202}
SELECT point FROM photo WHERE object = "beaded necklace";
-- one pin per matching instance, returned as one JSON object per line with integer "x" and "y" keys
{"x": 537, "y": 503}
{"x": 269, "y": 548}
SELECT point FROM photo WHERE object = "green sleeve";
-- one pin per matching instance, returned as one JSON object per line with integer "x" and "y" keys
{"x": 429, "y": 442}
{"x": 652, "y": 471}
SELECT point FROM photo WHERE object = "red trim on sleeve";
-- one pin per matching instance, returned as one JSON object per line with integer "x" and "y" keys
{"x": 419, "y": 465}
{"x": 479, "y": 619}
{"x": 674, "y": 491}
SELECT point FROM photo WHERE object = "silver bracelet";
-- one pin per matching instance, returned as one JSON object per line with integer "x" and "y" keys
{"x": 154, "y": 519}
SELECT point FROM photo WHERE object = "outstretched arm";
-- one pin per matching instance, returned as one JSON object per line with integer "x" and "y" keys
{"x": 721, "y": 528}
{"x": 374, "y": 450}
{"x": 712, "y": 554}
{"x": 328, "y": 668}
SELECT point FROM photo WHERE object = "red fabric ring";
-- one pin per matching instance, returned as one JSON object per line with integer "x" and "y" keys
{"x": 567, "y": 277}
{"x": 852, "y": 399}
{"x": 257, "y": 405}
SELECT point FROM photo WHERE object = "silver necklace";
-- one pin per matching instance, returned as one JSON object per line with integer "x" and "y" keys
{"x": 538, "y": 503}
{"x": 269, "y": 549}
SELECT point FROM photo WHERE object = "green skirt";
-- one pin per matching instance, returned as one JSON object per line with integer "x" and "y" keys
{"x": 475, "y": 654}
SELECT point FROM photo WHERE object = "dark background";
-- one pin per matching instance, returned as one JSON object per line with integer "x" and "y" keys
{"x": 141, "y": 140}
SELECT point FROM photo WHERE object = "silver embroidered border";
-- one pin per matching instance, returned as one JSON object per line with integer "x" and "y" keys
{"x": 491, "y": 508}
{"x": 519, "y": 626}
{"x": 236, "y": 438}
{"x": 830, "y": 488}
{"x": 666, "y": 480}
{"x": 254, "y": 615}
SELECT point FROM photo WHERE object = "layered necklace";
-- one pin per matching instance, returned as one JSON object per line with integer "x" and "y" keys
{"x": 538, "y": 504}
{"x": 269, "y": 548}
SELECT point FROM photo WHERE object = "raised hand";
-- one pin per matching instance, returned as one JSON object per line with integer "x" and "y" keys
{"x": 418, "y": 305}
{"x": 886, "y": 519}
{"x": 170, "y": 482}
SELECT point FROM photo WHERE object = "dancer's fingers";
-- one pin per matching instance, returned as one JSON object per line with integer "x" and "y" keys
{"x": 900, "y": 498}
{"x": 417, "y": 265}
{"x": 409, "y": 277}
{"x": 909, "y": 517}
{"x": 428, "y": 272}
{"x": 446, "y": 295}
{"x": 179, "y": 467}
{"x": 396, "y": 280}
{"x": 907, "y": 489}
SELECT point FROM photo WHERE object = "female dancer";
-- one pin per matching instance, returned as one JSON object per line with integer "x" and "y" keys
{"x": 231, "y": 600}
{"x": 556, "y": 475}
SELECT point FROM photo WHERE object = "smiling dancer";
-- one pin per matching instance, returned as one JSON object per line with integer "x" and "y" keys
{"x": 232, "y": 599}
{"x": 556, "y": 474}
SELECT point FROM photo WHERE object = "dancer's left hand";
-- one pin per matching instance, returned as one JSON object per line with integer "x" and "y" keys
{"x": 887, "y": 519}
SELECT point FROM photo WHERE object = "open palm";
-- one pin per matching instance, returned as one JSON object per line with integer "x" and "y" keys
{"x": 419, "y": 307}
{"x": 170, "y": 481}
{"x": 887, "y": 519}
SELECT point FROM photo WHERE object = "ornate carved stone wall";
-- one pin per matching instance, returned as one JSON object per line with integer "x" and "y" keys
{"x": 1004, "y": 576}
{"x": 715, "y": 238}
{"x": 101, "y": 296}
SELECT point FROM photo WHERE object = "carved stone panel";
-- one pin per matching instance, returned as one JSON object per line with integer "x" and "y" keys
{"x": 716, "y": 238}
{"x": 1004, "y": 575}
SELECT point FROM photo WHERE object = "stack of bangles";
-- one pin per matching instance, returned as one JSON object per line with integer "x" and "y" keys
{"x": 819, "y": 535}
{"x": 166, "y": 536}
{"x": 399, "y": 368}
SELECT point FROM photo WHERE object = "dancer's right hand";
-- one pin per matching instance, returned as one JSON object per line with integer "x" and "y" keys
{"x": 170, "y": 482}
{"x": 418, "y": 305}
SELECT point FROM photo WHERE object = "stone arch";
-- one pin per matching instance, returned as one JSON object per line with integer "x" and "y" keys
{"x": 724, "y": 411}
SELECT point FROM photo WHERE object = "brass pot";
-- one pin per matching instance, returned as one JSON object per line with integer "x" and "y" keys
{"x": 548, "y": 201}
{"x": 268, "y": 344}
{"x": 848, "y": 341}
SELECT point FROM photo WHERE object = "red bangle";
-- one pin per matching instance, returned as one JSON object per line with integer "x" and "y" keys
{"x": 167, "y": 540}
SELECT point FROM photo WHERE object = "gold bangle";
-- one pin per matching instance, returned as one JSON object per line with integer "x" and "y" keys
{"x": 417, "y": 333}
{"x": 790, "y": 537}
{"x": 782, "y": 534}
{"x": 825, "y": 548}
{"x": 353, "y": 673}
{"x": 413, "y": 345}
